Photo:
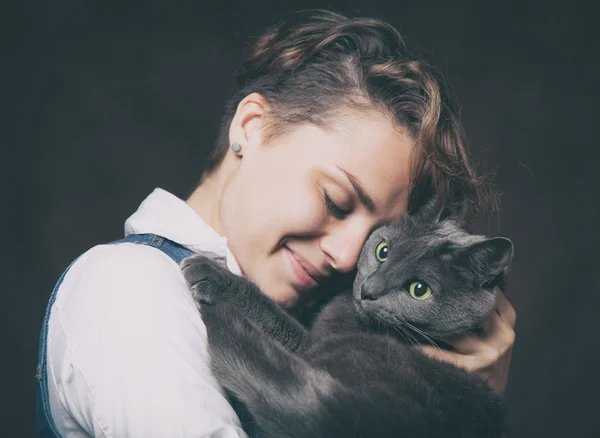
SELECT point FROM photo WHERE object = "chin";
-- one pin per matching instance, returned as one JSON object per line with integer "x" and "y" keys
{"x": 288, "y": 302}
{"x": 285, "y": 296}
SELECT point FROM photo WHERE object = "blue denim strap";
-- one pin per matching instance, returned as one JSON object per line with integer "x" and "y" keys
{"x": 43, "y": 419}
{"x": 44, "y": 422}
{"x": 174, "y": 250}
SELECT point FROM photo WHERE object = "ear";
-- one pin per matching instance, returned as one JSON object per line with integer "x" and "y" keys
{"x": 246, "y": 125}
{"x": 487, "y": 258}
{"x": 432, "y": 212}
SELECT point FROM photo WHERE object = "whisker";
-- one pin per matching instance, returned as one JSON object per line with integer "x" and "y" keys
{"x": 403, "y": 335}
{"x": 414, "y": 341}
{"x": 406, "y": 334}
{"x": 425, "y": 335}
{"x": 380, "y": 321}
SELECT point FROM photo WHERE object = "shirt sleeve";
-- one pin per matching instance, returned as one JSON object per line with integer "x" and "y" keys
{"x": 127, "y": 352}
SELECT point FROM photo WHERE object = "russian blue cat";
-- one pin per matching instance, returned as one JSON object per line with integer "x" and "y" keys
{"x": 355, "y": 372}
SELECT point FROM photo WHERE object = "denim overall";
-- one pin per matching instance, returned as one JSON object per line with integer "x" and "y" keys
{"x": 44, "y": 422}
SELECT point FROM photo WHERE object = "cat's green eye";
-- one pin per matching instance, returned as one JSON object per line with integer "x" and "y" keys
{"x": 419, "y": 290}
{"x": 382, "y": 252}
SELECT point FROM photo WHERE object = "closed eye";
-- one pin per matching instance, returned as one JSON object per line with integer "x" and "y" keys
{"x": 333, "y": 208}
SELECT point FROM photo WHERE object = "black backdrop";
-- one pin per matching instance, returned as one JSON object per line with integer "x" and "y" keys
{"x": 103, "y": 101}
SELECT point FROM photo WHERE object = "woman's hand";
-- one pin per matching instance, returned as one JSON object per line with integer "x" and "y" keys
{"x": 489, "y": 354}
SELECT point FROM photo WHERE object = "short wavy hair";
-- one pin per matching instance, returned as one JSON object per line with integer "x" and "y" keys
{"x": 311, "y": 66}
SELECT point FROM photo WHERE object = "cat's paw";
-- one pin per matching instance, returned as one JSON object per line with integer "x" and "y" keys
{"x": 207, "y": 279}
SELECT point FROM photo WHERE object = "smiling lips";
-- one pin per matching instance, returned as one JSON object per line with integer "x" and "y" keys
{"x": 306, "y": 274}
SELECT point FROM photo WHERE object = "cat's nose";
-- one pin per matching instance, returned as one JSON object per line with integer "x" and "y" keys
{"x": 367, "y": 294}
{"x": 373, "y": 292}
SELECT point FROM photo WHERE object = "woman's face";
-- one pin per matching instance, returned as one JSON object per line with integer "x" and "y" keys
{"x": 301, "y": 207}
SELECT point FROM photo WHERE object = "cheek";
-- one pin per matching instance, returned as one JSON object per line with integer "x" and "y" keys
{"x": 260, "y": 210}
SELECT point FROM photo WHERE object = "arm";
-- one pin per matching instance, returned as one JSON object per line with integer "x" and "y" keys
{"x": 138, "y": 362}
{"x": 211, "y": 283}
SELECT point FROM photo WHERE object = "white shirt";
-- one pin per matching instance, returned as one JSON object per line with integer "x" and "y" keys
{"x": 127, "y": 349}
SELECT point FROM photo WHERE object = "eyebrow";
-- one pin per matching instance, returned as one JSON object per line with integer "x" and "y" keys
{"x": 360, "y": 191}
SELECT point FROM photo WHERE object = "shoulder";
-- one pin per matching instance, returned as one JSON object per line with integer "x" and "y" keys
{"x": 121, "y": 273}
{"x": 116, "y": 291}
{"x": 124, "y": 259}
{"x": 125, "y": 329}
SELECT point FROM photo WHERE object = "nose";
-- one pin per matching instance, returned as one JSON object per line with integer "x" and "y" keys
{"x": 343, "y": 245}
{"x": 366, "y": 294}
{"x": 372, "y": 293}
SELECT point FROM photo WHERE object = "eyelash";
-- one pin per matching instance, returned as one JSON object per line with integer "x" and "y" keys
{"x": 332, "y": 208}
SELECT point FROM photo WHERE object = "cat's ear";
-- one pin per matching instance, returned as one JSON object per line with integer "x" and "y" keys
{"x": 487, "y": 258}
{"x": 433, "y": 211}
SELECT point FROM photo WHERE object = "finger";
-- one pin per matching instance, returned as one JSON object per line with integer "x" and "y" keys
{"x": 505, "y": 309}
{"x": 500, "y": 334}
{"x": 498, "y": 337}
{"x": 472, "y": 342}
{"x": 489, "y": 323}
{"x": 465, "y": 362}
{"x": 466, "y": 343}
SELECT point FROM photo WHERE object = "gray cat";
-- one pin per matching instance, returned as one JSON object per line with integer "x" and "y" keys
{"x": 355, "y": 372}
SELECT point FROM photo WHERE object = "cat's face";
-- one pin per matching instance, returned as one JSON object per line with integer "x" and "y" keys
{"x": 429, "y": 275}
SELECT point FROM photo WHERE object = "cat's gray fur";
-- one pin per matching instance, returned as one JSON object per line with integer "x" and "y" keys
{"x": 355, "y": 373}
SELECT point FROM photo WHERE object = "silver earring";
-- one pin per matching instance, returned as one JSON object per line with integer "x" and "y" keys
{"x": 236, "y": 147}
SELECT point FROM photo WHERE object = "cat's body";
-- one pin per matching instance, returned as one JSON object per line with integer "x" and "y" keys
{"x": 356, "y": 372}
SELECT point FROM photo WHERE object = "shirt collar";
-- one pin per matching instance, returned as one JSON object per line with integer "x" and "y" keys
{"x": 166, "y": 215}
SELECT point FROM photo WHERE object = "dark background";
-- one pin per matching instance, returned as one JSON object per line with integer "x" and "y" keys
{"x": 104, "y": 101}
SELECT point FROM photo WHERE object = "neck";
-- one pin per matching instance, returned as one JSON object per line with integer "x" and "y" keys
{"x": 204, "y": 200}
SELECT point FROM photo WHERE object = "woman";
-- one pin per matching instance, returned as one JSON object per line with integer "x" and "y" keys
{"x": 335, "y": 129}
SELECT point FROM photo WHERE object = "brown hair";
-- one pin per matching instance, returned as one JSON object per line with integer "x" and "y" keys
{"x": 310, "y": 67}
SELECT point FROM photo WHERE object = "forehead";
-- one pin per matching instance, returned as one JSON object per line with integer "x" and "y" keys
{"x": 371, "y": 147}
